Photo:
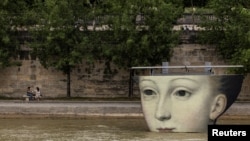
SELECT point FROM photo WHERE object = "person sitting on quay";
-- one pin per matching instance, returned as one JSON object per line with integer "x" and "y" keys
{"x": 37, "y": 93}
{"x": 30, "y": 93}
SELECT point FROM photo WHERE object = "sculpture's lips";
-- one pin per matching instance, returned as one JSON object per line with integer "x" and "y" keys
{"x": 165, "y": 129}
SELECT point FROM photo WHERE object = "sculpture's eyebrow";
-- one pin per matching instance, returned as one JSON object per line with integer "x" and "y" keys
{"x": 148, "y": 80}
{"x": 149, "y": 83}
{"x": 185, "y": 79}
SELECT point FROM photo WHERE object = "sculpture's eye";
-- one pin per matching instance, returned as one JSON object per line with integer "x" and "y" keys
{"x": 182, "y": 94}
{"x": 148, "y": 94}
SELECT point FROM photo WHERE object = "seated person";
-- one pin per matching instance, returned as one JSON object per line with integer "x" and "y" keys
{"x": 37, "y": 93}
{"x": 30, "y": 93}
{"x": 186, "y": 103}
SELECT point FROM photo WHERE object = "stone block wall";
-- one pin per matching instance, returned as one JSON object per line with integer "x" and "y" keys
{"x": 85, "y": 81}
{"x": 94, "y": 81}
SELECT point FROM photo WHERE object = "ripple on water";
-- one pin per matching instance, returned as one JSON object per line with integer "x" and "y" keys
{"x": 88, "y": 130}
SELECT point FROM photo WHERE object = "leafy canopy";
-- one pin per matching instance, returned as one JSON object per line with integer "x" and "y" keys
{"x": 229, "y": 31}
{"x": 140, "y": 32}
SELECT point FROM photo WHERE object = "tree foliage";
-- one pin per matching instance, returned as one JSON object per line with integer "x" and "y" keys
{"x": 229, "y": 31}
{"x": 57, "y": 40}
{"x": 9, "y": 19}
{"x": 195, "y": 3}
{"x": 140, "y": 32}
{"x": 127, "y": 33}
{"x": 60, "y": 36}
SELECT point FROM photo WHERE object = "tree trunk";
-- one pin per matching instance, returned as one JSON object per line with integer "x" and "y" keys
{"x": 68, "y": 84}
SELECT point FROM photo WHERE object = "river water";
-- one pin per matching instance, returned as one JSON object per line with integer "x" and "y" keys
{"x": 90, "y": 130}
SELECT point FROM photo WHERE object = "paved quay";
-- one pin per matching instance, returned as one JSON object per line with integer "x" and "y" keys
{"x": 70, "y": 109}
{"x": 91, "y": 109}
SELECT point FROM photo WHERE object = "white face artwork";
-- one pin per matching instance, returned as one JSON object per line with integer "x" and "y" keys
{"x": 179, "y": 103}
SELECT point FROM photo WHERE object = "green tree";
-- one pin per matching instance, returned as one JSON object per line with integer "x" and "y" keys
{"x": 229, "y": 31}
{"x": 61, "y": 34}
{"x": 128, "y": 33}
{"x": 196, "y": 3}
{"x": 139, "y": 32}
{"x": 9, "y": 22}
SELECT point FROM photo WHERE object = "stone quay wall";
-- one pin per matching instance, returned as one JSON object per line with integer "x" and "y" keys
{"x": 93, "y": 81}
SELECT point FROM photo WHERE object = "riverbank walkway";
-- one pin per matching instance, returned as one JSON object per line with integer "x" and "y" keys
{"x": 93, "y": 109}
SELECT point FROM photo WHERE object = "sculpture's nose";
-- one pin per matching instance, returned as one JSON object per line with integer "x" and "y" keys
{"x": 163, "y": 110}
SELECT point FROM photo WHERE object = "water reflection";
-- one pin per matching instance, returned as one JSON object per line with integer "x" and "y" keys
{"x": 87, "y": 130}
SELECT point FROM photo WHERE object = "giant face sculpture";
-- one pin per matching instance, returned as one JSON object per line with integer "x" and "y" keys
{"x": 186, "y": 103}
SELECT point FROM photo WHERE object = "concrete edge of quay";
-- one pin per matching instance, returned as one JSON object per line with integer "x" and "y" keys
{"x": 95, "y": 109}
{"x": 71, "y": 116}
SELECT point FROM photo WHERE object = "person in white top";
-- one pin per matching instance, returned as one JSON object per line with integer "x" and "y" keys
{"x": 38, "y": 93}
